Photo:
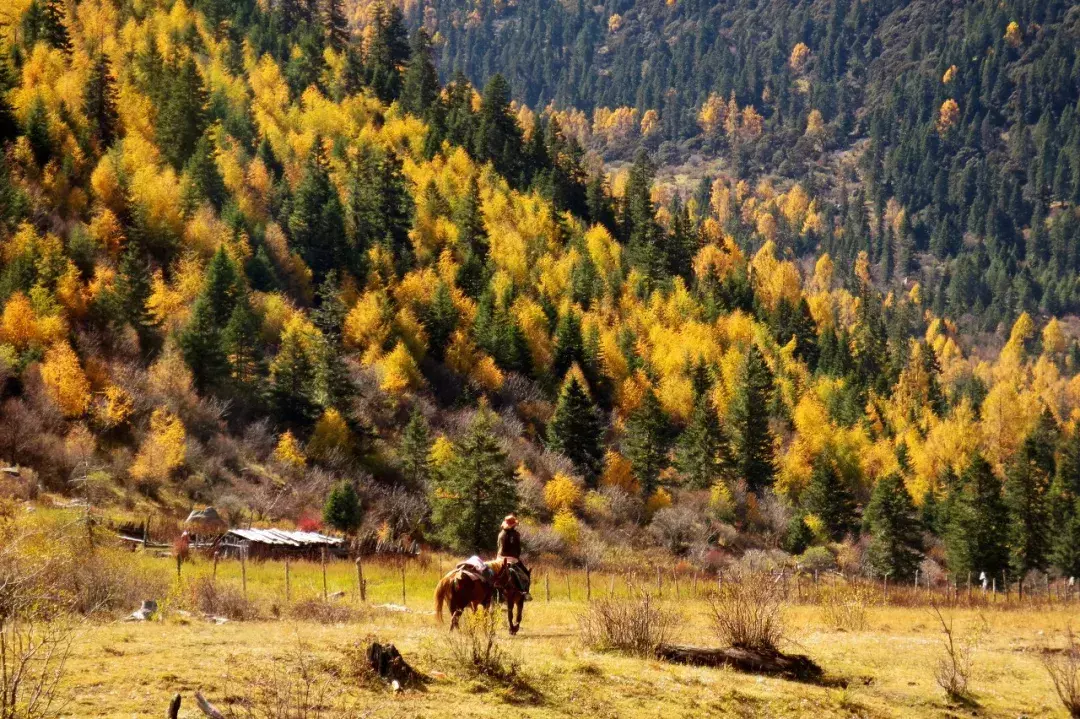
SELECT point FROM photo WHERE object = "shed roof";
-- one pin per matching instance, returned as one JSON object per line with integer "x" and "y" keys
{"x": 284, "y": 538}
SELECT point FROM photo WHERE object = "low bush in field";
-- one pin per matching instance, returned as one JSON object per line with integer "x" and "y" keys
{"x": 1064, "y": 670}
{"x": 320, "y": 612}
{"x": 747, "y": 610}
{"x": 477, "y": 650}
{"x": 957, "y": 659}
{"x": 298, "y": 686}
{"x": 210, "y": 597}
{"x": 844, "y": 606}
{"x": 637, "y": 626}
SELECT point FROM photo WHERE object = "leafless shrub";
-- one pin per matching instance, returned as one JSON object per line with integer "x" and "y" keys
{"x": 747, "y": 609}
{"x": 953, "y": 669}
{"x": 540, "y": 539}
{"x": 678, "y": 527}
{"x": 34, "y": 650}
{"x": 320, "y": 612}
{"x": 297, "y": 687}
{"x": 397, "y": 508}
{"x": 637, "y": 625}
{"x": 210, "y": 597}
{"x": 1064, "y": 670}
{"x": 624, "y": 506}
{"x": 843, "y": 605}
{"x": 476, "y": 649}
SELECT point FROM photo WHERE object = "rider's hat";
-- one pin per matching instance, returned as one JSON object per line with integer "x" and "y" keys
{"x": 510, "y": 521}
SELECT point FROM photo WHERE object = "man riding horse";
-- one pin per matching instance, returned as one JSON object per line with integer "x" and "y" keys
{"x": 472, "y": 583}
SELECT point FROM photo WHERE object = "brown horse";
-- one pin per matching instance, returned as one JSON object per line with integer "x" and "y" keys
{"x": 509, "y": 589}
{"x": 461, "y": 590}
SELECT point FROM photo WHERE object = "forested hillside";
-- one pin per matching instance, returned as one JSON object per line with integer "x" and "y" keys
{"x": 962, "y": 117}
{"x": 260, "y": 256}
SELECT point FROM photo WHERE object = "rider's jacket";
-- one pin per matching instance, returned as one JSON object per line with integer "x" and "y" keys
{"x": 510, "y": 543}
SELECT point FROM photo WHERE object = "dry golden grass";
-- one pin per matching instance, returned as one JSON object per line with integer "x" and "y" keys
{"x": 125, "y": 670}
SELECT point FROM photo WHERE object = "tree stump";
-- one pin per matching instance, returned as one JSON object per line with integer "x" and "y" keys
{"x": 386, "y": 661}
{"x": 794, "y": 666}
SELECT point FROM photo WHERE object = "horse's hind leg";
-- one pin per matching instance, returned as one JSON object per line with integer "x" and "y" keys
{"x": 510, "y": 617}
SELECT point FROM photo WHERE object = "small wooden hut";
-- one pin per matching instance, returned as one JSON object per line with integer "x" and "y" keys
{"x": 279, "y": 544}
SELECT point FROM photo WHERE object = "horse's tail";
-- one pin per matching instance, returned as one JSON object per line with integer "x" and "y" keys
{"x": 442, "y": 594}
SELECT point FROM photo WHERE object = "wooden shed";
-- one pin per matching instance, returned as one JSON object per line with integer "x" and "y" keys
{"x": 278, "y": 544}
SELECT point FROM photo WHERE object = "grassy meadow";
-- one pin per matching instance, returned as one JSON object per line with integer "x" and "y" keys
{"x": 885, "y": 668}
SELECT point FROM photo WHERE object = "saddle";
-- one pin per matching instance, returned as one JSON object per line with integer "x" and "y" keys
{"x": 475, "y": 569}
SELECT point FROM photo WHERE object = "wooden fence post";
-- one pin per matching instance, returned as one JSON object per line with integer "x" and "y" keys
{"x": 611, "y": 589}
{"x": 568, "y": 597}
{"x": 325, "y": 592}
{"x": 243, "y": 569}
{"x": 360, "y": 580}
{"x": 659, "y": 582}
{"x": 675, "y": 581}
{"x": 547, "y": 586}
{"x": 288, "y": 583}
{"x": 215, "y": 566}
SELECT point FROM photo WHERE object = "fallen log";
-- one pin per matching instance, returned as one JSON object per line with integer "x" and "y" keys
{"x": 753, "y": 661}
{"x": 386, "y": 661}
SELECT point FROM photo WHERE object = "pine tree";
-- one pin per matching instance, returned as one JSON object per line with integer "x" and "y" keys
{"x": 472, "y": 238}
{"x": 133, "y": 289}
{"x": 829, "y": 497}
{"x": 99, "y": 103}
{"x": 1064, "y": 503}
{"x": 420, "y": 86}
{"x": 978, "y": 522}
{"x": 474, "y": 491}
{"x": 1027, "y": 482}
{"x": 38, "y": 133}
{"x": 200, "y": 342}
{"x": 569, "y": 346}
{"x": 337, "y": 26}
{"x": 387, "y": 53}
{"x": 329, "y": 317}
{"x": 647, "y": 440}
{"x": 702, "y": 454}
{"x": 498, "y": 137}
{"x": 752, "y": 439}
{"x": 895, "y": 533}
{"x": 415, "y": 447}
{"x": 639, "y": 228}
{"x": 317, "y": 223}
{"x": 222, "y": 287}
{"x": 239, "y": 341}
{"x": 202, "y": 181}
{"x": 294, "y": 383}
{"x": 342, "y": 510}
{"x": 181, "y": 118}
{"x": 440, "y": 321}
{"x": 54, "y": 26}
{"x": 798, "y": 536}
{"x": 576, "y": 429}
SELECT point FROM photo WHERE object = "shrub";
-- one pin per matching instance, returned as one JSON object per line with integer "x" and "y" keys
{"x": 1064, "y": 670}
{"x": 476, "y": 649}
{"x": 316, "y": 610}
{"x": 636, "y": 626}
{"x": 953, "y": 670}
{"x": 747, "y": 610}
{"x": 567, "y": 527}
{"x": 210, "y": 597}
{"x": 297, "y": 687}
{"x": 843, "y": 606}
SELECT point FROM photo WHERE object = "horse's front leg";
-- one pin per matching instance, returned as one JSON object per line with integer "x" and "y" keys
{"x": 520, "y": 606}
{"x": 510, "y": 616}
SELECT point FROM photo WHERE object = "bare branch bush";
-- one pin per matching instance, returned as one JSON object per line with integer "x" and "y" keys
{"x": 954, "y": 666}
{"x": 1064, "y": 670}
{"x": 636, "y": 625}
{"x": 477, "y": 650}
{"x": 844, "y": 605}
{"x": 300, "y": 686}
{"x": 747, "y": 610}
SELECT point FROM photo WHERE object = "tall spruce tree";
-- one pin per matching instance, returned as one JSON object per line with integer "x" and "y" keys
{"x": 1064, "y": 503}
{"x": 337, "y": 25}
{"x": 414, "y": 450}
{"x": 647, "y": 441}
{"x": 387, "y": 53}
{"x": 317, "y": 224}
{"x": 202, "y": 181}
{"x": 703, "y": 454}
{"x": 829, "y": 497}
{"x": 1027, "y": 483}
{"x": 420, "y": 86}
{"x": 891, "y": 520}
{"x": 576, "y": 429}
{"x": 977, "y": 526}
{"x": 473, "y": 240}
{"x": 182, "y": 117}
{"x": 748, "y": 420}
{"x": 342, "y": 510}
{"x": 201, "y": 345}
{"x": 474, "y": 490}
{"x": 498, "y": 137}
{"x": 440, "y": 320}
{"x": 99, "y": 102}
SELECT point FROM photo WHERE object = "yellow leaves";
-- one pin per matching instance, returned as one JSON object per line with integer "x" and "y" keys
{"x": 163, "y": 450}
{"x": 113, "y": 407}
{"x": 562, "y": 493}
{"x": 65, "y": 380}
{"x": 366, "y": 326}
{"x": 661, "y": 499}
{"x": 1022, "y": 330}
{"x": 567, "y": 527}
{"x": 1053, "y": 337}
{"x": 776, "y": 280}
{"x": 712, "y": 114}
{"x": 106, "y": 185}
{"x": 18, "y": 323}
{"x": 650, "y": 123}
{"x": 948, "y": 116}
{"x": 1007, "y": 416}
{"x": 604, "y": 251}
{"x": 614, "y": 23}
{"x": 442, "y": 451}
{"x": 615, "y": 125}
{"x": 800, "y": 55}
{"x": 534, "y": 325}
{"x": 949, "y": 75}
{"x": 106, "y": 230}
{"x": 289, "y": 452}
{"x": 398, "y": 372}
{"x": 463, "y": 357}
{"x": 618, "y": 472}
{"x": 716, "y": 262}
{"x": 331, "y": 435}
{"x": 1013, "y": 36}
{"x": 815, "y": 125}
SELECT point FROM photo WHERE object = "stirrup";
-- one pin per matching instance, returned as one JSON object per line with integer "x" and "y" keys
{"x": 528, "y": 597}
